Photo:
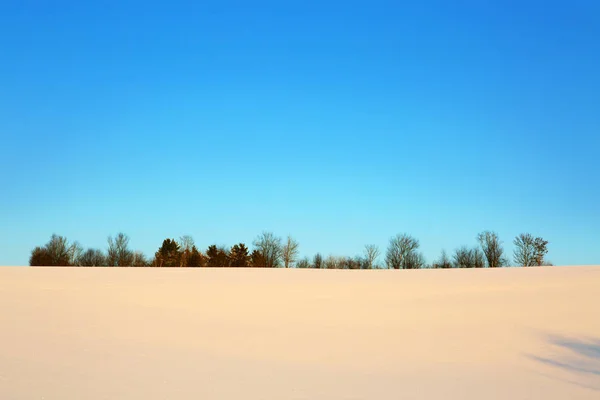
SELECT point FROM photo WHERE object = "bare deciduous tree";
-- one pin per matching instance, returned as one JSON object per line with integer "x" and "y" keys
{"x": 270, "y": 248}
{"x": 468, "y": 258}
{"x": 356, "y": 263}
{"x": 371, "y": 254}
{"x": 303, "y": 263}
{"x": 75, "y": 252}
{"x": 92, "y": 258}
{"x": 492, "y": 249}
{"x": 186, "y": 242}
{"x": 289, "y": 252}
{"x": 186, "y": 246}
{"x": 333, "y": 262}
{"x": 401, "y": 253}
{"x": 139, "y": 259}
{"x": 59, "y": 250}
{"x": 415, "y": 260}
{"x": 118, "y": 254}
{"x": 529, "y": 251}
{"x": 443, "y": 262}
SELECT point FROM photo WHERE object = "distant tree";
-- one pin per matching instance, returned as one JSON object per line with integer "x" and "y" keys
{"x": 289, "y": 252}
{"x": 257, "y": 260}
{"x": 468, "y": 258}
{"x": 443, "y": 262}
{"x": 270, "y": 247}
{"x": 303, "y": 263}
{"x": 402, "y": 253}
{"x": 238, "y": 256}
{"x": 196, "y": 259}
{"x": 529, "y": 251}
{"x": 57, "y": 252}
{"x": 223, "y": 257}
{"x": 75, "y": 253}
{"x": 330, "y": 262}
{"x": 462, "y": 258}
{"x": 355, "y": 263}
{"x": 217, "y": 257}
{"x": 139, "y": 259}
{"x": 333, "y": 262}
{"x": 415, "y": 260}
{"x": 371, "y": 254}
{"x": 186, "y": 244}
{"x": 92, "y": 258}
{"x": 119, "y": 254}
{"x": 212, "y": 254}
{"x": 492, "y": 249}
{"x": 168, "y": 254}
{"x": 40, "y": 257}
{"x": 478, "y": 258}
{"x": 318, "y": 261}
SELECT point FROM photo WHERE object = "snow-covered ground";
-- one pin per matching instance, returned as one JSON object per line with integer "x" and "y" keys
{"x": 127, "y": 333}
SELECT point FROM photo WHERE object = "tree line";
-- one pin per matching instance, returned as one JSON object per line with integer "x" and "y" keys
{"x": 271, "y": 251}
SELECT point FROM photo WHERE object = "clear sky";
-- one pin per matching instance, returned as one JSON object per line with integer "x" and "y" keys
{"x": 339, "y": 122}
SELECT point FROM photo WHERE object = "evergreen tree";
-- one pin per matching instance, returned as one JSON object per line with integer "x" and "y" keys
{"x": 238, "y": 256}
{"x": 218, "y": 257}
{"x": 196, "y": 259}
{"x": 168, "y": 255}
{"x": 257, "y": 260}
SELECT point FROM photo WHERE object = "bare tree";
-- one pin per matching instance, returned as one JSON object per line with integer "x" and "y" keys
{"x": 371, "y": 254}
{"x": 186, "y": 242}
{"x": 415, "y": 260}
{"x": 529, "y": 251}
{"x": 357, "y": 262}
{"x": 492, "y": 249}
{"x": 270, "y": 247}
{"x": 290, "y": 252}
{"x": 462, "y": 257}
{"x": 119, "y": 254}
{"x": 443, "y": 262}
{"x": 303, "y": 263}
{"x": 57, "y": 252}
{"x": 186, "y": 246}
{"x": 75, "y": 252}
{"x": 333, "y": 262}
{"x": 468, "y": 258}
{"x": 139, "y": 259}
{"x": 92, "y": 258}
{"x": 401, "y": 253}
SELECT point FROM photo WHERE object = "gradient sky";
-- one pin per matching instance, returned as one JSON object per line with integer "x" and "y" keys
{"x": 339, "y": 122}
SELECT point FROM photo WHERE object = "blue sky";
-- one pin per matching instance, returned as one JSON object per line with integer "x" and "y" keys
{"x": 339, "y": 122}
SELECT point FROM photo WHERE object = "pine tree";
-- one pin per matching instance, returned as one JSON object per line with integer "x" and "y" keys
{"x": 238, "y": 256}
{"x": 168, "y": 254}
{"x": 257, "y": 260}
{"x": 218, "y": 257}
{"x": 196, "y": 259}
